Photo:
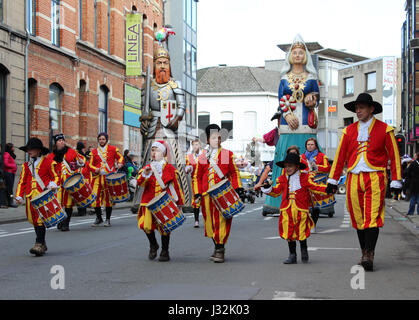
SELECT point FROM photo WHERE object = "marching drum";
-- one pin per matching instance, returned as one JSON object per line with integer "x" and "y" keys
{"x": 117, "y": 186}
{"x": 166, "y": 212}
{"x": 322, "y": 201}
{"x": 48, "y": 208}
{"x": 80, "y": 190}
{"x": 226, "y": 199}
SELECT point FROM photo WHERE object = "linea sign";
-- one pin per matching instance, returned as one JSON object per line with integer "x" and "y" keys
{"x": 133, "y": 57}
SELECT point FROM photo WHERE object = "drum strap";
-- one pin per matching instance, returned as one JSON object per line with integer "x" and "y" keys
{"x": 162, "y": 185}
{"x": 103, "y": 160}
{"x": 36, "y": 176}
{"x": 216, "y": 168}
{"x": 67, "y": 166}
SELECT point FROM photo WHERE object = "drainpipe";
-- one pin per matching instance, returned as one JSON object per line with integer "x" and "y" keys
{"x": 26, "y": 113}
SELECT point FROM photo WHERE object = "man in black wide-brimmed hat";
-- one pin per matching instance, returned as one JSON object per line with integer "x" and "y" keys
{"x": 366, "y": 146}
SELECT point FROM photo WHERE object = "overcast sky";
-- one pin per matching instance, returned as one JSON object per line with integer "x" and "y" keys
{"x": 247, "y": 32}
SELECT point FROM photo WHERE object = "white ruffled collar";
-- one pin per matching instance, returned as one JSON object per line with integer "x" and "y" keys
{"x": 363, "y": 133}
{"x": 294, "y": 181}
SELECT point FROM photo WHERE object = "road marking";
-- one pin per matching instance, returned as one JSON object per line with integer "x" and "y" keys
{"x": 272, "y": 238}
{"x": 329, "y": 231}
{"x": 324, "y": 248}
{"x": 256, "y": 209}
{"x": 29, "y": 230}
{"x": 284, "y": 295}
{"x": 268, "y": 218}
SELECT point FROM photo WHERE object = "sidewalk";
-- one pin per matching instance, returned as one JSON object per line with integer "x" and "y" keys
{"x": 400, "y": 207}
{"x": 11, "y": 215}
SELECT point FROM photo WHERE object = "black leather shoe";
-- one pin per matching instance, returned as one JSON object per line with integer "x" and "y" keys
{"x": 292, "y": 259}
{"x": 164, "y": 256}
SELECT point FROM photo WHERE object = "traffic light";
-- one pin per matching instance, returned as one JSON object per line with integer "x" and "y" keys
{"x": 401, "y": 143}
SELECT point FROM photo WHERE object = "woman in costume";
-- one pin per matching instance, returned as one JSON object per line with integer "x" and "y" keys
{"x": 298, "y": 96}
{"x": 319, "y": 168}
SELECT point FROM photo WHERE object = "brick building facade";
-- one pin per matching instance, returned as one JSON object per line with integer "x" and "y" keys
{"x": 77, "y": 66}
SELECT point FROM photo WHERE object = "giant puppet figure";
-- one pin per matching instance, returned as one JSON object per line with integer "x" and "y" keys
{"x": 298, "y": 96}
{"x": 163, "y": 107}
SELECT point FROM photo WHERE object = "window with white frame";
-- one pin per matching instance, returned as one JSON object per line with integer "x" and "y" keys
{"x": 55, "y": 22}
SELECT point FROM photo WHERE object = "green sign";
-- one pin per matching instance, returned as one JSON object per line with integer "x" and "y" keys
{"x": 133, "y": 57}
{"x": 132, "y": 96}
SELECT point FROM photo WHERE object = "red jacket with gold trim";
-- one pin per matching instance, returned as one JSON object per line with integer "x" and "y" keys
{"x": 152, "y": 188}
{"x": 70, "y": 156}
{"x": 376, "y": 152}
{"x": 27, "y": 184}
{"x": 202, "y": 178}
{"x": 111, "y": 155}
{"x": 323, "y": 165}
{"x": 300, "y": 198}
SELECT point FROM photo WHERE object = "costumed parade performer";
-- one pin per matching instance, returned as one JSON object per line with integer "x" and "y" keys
{"x": 319, "y": 167}
{"x": 215, "y": 165}
{"x": 66, "y": 161}
{"x": 37, "y": 176}
{"x": 101, "y": 163}
{"x": 157, "y": 177}
{"x": 365, "y": 147}
{"x": 295, "y": 222}
{"x": 298, "y": 96}
{"x": 190, "y": 168}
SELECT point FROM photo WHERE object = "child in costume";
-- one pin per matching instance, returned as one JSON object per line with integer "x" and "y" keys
{"x": 37, "y": 175}
{"x": 155, "y": 178}
{"x": 295, "y": 222}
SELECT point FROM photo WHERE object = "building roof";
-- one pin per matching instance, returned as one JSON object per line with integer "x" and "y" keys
{"x": 237, "y": 79}
{"x": 316, "y": 48}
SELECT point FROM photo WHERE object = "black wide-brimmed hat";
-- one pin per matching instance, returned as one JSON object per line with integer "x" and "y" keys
{"x": 277, "y": 115}
{"x": 292, "y": 158}
{"x": 35, "y": 143}
{"x": 367, "y": 99}
{"x": 203, "y": 137}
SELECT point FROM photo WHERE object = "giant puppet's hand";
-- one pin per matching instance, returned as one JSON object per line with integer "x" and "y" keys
{"x": 174, "y": 124}
{"x": 310, "y": 100}
{"x": 292, "y": 121}
{"x": 145, "y": 123}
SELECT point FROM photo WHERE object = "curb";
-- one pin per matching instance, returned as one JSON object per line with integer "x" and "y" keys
{"x": 408, "y": 223}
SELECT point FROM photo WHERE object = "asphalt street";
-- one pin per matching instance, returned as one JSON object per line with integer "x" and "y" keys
{"x": 112, "y": 263}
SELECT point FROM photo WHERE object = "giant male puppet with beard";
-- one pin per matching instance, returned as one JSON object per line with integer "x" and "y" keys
{"x": 162, "y": 115}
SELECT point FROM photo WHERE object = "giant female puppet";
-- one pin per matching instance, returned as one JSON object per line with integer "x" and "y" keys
{"x": 298, "y": 96}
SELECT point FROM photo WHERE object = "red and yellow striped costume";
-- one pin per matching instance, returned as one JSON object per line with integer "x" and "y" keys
{"x": 192, "y": 160}
{"x": 216, "y": 226}
{"x": 63, "y": 174}
{"x": 295, "y": 222}
{"x": 27, "y": 186}
{"x": 111, "y": 155}
{"x": 366, "y": 191}
{"x": 152, "y": 189}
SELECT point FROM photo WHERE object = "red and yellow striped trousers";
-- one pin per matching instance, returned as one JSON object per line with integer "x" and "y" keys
{"x": 365, "y": 199}
{"x": 216, "y": 226}
{"x": 64, "y": 198}
{"x": 103, "y": 197}
{"x": 295, "y": 224}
